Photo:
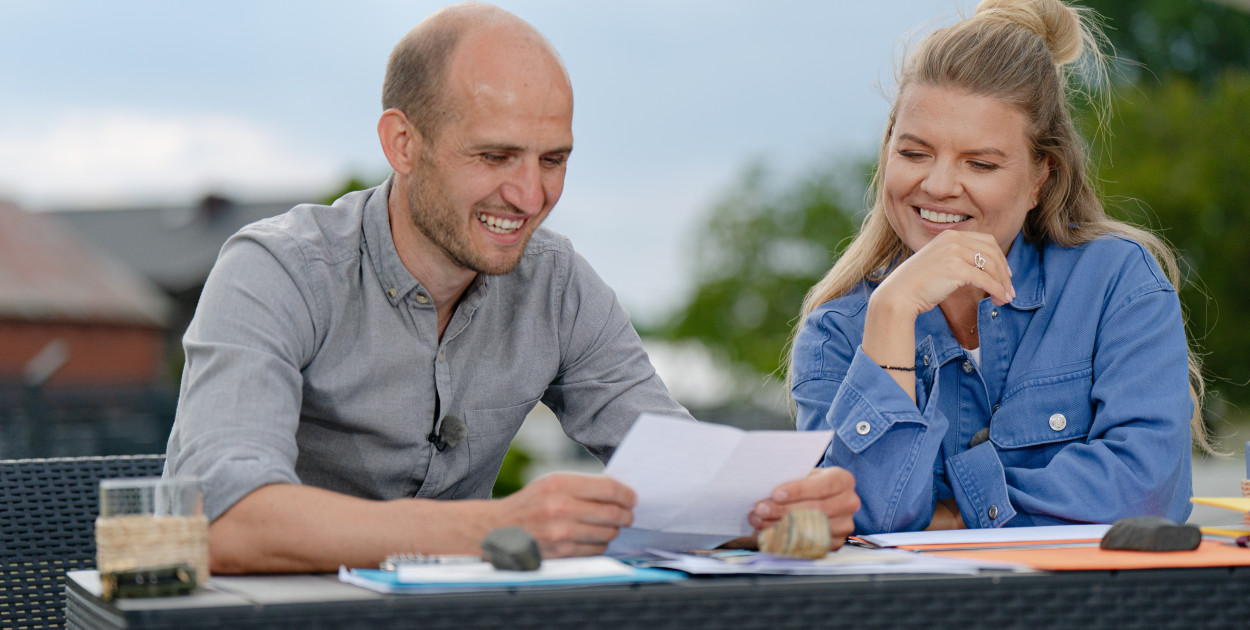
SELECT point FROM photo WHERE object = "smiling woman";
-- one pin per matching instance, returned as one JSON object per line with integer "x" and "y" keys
{"x": 992, "y": 350}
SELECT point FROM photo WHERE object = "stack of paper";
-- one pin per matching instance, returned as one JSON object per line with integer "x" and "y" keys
{"x": 697, "y": 482}
{"x": 556, "y": 573}
{"x": 1056, "y": 548}
{"x": 850, "y": 560}
{"x": 1018, "y": 537}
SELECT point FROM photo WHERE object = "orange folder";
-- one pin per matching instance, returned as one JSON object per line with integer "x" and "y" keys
{"x": 1208, "y": 554}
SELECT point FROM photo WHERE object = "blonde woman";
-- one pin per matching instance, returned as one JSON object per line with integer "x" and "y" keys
{"x": 992, "y": 350}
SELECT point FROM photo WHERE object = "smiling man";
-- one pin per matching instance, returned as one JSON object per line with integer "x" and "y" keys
{"x": 352, "y": 367}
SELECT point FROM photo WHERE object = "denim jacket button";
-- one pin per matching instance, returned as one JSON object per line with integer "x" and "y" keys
{"x": 993, "y": 512}
{"x": 967, "y": 367}
{"x": 1058, "y": 422}
{"x": 863, "y": 428}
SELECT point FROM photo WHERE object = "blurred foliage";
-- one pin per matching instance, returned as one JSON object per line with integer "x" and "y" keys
{"x": 1176, "y": 161}
{"x": 760, "y": 252}
{"x": 1198, "y": 40}
{"x": 516, "y": 463}
{"x": 352, "y": 184}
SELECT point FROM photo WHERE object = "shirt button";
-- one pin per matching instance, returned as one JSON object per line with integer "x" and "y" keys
{"x": 967, "y": 367}
{"x": 863, "y": 428}
{"x": 440, "y": 356}
{"x": 1058, "y": 422}
{"x": 926, "y": 359}
{"x": 423, "y": 298}
{"x": 993, "y": 512}
{"x": 392, "y": 293}
{"x": 994, "y": 313}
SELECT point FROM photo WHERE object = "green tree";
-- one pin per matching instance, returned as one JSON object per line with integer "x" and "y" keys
{"x": 516, "y": 464}
{"x": 759, "y": 253}
{"x": 1176, "y": 161}
{"x": 1196, "y": 40}
{"x": 352, "y": 184}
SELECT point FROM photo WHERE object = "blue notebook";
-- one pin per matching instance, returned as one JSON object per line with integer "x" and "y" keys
{"x": 456, "y": 579}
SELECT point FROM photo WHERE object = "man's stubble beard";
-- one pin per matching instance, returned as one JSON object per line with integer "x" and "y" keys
{"x": 437, "y": 220}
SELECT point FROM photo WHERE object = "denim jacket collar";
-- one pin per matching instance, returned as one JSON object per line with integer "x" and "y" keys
{"x": 935, "y": 345}
{"x": 1025, "y": 259}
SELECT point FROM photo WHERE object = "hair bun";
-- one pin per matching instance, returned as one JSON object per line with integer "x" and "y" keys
{"x": 1058, "y": 24}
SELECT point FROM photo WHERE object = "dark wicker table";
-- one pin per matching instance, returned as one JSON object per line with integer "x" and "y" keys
{"x": 1088, "y": 600}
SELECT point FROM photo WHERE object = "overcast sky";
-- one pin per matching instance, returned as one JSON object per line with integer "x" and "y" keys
{"x": 155, "y": 102}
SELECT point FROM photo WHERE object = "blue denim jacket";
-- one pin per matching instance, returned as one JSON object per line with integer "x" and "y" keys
{"x": 1083, "y": 383}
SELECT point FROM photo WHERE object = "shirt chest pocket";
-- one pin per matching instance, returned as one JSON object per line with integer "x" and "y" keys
{"x": 1045, "y": 408}
{"x": 488, "y": 434}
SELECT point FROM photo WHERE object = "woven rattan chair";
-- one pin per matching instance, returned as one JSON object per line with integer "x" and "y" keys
{"x": 47, "y": 527}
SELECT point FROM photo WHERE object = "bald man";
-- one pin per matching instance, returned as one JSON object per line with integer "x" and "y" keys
{"x": 351, "y": 369}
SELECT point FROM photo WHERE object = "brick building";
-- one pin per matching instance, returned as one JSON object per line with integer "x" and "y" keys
{"x": 96, "y": 322}
{"x": 83, "y": 365}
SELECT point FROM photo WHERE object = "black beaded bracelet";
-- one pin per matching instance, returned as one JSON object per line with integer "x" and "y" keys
{"x": 900, "y": 369}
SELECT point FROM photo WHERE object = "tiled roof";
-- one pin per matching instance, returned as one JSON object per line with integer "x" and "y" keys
{"x": 48, "y": 274}
{"x": 174, "y": 247}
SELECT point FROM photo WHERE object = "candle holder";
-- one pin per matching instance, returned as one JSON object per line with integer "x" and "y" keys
{"x": 151, "y": 537}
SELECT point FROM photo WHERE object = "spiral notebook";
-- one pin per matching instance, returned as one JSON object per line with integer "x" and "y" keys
{"x": 556, "y": 573}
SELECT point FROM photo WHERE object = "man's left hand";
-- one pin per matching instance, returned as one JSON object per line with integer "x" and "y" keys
{"x": 830, "y": 490}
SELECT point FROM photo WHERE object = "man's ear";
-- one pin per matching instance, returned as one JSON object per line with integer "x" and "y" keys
{"x": 400, "y": 141}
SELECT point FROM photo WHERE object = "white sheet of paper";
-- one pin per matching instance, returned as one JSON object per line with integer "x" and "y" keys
{"x": 633, "y": 542}
{"x": 702, "y": 478}
{"x": 558, "y": 568}
{"x": 849, "y": 560}
{"x": 1041, "y": 533}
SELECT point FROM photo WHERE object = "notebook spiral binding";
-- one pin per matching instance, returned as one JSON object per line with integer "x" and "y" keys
{"x": 395, "y": 560}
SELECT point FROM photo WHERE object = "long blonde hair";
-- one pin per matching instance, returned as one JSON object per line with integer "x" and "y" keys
{"x": 1022, "y": 53}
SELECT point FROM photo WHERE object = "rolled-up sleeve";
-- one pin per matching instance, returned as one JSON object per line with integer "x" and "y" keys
{"x": 605, "y": 379}
{"x": 880, "y": 435}
{"x": 241, "y": 390}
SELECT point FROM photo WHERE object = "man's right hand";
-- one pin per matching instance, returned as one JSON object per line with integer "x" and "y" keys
{"x": 571, "y": 514}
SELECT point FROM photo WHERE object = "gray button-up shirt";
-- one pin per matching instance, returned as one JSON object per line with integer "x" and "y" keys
{"x": 314, "y": 358}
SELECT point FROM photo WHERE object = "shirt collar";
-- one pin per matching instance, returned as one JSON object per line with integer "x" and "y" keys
{"x": 1027, "y": 277}
{"x": 395, "y": 279}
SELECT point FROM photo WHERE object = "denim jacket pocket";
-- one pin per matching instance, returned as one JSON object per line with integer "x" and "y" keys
{"x": 1045, "y": 408}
